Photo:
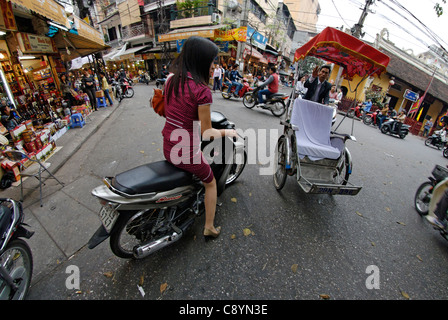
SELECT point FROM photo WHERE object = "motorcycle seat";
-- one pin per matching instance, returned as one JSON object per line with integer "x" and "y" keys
{"x": 152, "y": 177}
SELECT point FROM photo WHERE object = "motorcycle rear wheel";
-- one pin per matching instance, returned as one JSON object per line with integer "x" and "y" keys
{"x": 249, "y": 100}
{"x": 18, "y": 261}
{"x": 280, "y": 172}
{"x": 423, "y": 197}
{"x": 278, "y": 108}
{"x": 128, "y": 232}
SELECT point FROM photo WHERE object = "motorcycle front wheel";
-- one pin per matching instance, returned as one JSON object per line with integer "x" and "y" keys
{"x": 423, "y": 197}
{"x": 129, "y": 93}
{"x": 18, "y": 262}
{"x": 445, "y": 152}
{"x": 226, "y": 95}
{"x": 367, "y": 120}
{"x": 237, "y": 167}
{"x": 278, "y": 108}
{"x": 428, "y": 142}
{"x": 249, "y": 100}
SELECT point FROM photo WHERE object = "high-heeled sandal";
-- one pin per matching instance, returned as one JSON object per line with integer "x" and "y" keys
{"x": 211, "y": 234}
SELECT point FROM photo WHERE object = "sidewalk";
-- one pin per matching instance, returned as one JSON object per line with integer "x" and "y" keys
{"x": 61, "y": 225}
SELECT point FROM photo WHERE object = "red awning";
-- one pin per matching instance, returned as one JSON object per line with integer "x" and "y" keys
{"x": 354, "y": 55}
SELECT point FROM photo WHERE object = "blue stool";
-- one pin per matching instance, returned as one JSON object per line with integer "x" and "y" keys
{"x": 77, "y": 120}
{"x": 101, "y": 102}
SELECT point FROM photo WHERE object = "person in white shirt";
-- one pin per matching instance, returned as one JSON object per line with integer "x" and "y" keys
{"x": 217, "y": 73}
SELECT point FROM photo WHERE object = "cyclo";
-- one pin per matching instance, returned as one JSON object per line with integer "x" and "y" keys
{"x": 308, "y": 148}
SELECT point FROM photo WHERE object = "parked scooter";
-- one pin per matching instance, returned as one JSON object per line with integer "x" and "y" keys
{"x": 151, "y": 206}
{"x": 275, "y": 103}
{"x": 245, "y": 88}
{"x": 357, "y": 111}
{"x": 391, "y": 127}
{"x": 438, "y": 139}
{"x": 430, "y": 192}
{"x": 144, "y": 78}
{"x": 118, "y": 91}
{"x": 16, "y": 260}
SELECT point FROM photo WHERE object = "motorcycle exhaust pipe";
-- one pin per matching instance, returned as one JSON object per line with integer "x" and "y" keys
{"x": 149, "y": 248}
{"x": 153, "y": 246}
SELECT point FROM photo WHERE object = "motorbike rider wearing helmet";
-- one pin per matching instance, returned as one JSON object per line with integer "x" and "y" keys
{"x": 272, "y": 83}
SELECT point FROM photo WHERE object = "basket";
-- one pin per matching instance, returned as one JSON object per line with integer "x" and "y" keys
{"x": 99, "y": 94}
{"x": 440, "y": 172}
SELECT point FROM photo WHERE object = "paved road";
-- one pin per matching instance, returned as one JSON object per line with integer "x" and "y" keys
{"x": 300, "y": 246}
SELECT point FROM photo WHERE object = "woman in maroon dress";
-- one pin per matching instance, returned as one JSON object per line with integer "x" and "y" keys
{"x": 187, "y": 108}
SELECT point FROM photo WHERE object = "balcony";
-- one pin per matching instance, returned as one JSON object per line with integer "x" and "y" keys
{"x": 136, "y": 31}
{"x": 190, "y": 14}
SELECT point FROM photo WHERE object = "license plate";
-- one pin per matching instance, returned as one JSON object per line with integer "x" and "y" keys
{"x": 108, "y": 216}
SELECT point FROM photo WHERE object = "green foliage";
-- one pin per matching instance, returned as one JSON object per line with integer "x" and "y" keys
{"x": 377, "y": 97}
{"x": 439, "y": 8}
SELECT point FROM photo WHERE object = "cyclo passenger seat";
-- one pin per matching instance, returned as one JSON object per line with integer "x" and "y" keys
{"x": 313, "y": 137}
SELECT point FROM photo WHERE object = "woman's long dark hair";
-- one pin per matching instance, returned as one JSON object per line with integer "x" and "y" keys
{"x": 196, "y": 57}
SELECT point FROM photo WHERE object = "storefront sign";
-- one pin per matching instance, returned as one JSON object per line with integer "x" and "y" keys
{"x": 270, "y": 58}
{"x": 256, "y": 38}
{"x": 410, "y": 95}
{"x": 184, "y": 35}
{"x": 47, "y": 8}
{"x": 88, "y": 32}
{"x": 238, "y": 34}
{"x": 31, "y": 43}
{"x": 7, "y": 21}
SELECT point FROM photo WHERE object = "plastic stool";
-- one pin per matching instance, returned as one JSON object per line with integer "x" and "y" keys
{"x": 101, "y": 102}
{"x": 77, "y": 120}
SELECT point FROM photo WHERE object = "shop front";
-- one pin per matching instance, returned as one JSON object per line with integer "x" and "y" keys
{"x": 30, "y": 69}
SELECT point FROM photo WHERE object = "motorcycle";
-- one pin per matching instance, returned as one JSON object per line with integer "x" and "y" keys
{"x": 126, "y": 88}
{"x": 144, "y": 78}
{"x": 445, "y": 151}
{"x": 16, "y": 260}
{"x": 438, "y": 139}
{"x": 391, "y": 126}
{"x": 151, "y": 206}
{"x": 275, "y": 103}
{"x": 118, "y": 91}
{"x": 374, "y": 117}
{"x": 245, "y": 88}
{"x": 160, "y": 82}
{"x": 430, "y": 192}
{"x": 357, "y": 111}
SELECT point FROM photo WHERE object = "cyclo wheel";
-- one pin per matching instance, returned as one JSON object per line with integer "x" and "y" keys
{"x": 280, "y": 173}
{"x": 18, "y": 261}
{"x": 278, "y": 108}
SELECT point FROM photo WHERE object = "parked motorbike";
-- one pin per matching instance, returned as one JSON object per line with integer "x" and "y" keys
{"x": 16, "y": 260}
{"x": 232, "y": 93}
{"x": 430, "y": 192}
{"x": 391, "y": 126}
{"x": 118, "y": 91}
{"x": 126, "y": 88}
{"x": 151, "y": 206}
{"x": 275, "y": 103}
{"x": 438, "y": 139}
{"x": 371, "y": 118}
{"x": 144, "y": 78}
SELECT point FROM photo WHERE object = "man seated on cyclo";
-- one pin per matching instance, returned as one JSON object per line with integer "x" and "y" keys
{"x": 318, "y": 86}
{"x": 272, "y": 83}
{"x": 234, "y": 74}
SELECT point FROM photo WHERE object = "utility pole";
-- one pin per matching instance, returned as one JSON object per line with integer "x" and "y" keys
{"x": 356, "y": 30}
{"x": 242, "y": 45}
